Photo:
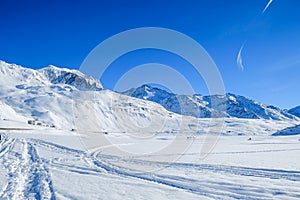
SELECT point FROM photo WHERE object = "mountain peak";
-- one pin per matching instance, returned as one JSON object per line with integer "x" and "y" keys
{"x": 12, "y": 74}
{"x": 200, "y": 106}
{"x": 75, "y": 78}
{"x": 295, "y": 111}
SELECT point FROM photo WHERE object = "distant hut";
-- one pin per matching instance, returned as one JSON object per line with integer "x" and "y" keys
{"x": 31, "y": 122}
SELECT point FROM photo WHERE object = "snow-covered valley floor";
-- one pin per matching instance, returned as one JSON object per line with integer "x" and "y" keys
{"x": 46, "y": 163}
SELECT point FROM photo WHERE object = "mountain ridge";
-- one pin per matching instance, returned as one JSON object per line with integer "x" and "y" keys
{"x": 200, "y": 106}
{"x": 53, "y": 97}
{"x": 12, "y": 74}
{"x": 48, "y": 95}
{"x": 295, "y": 111}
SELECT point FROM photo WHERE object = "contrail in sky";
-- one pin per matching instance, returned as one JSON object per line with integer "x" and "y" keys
{"x": 239, "y": 59}
{"x": 267, "y": 6}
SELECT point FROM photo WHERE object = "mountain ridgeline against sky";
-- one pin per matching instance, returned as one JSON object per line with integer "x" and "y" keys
{"x": 200, "y": 106}
{"x": 67, "y": 99}
{"x": 12, "y": 74}
{"x": 295, "y": 111}
{"x": 48, "y": 95}
{"x": 44, "y": 95}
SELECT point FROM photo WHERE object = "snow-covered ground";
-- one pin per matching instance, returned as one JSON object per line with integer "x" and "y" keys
{"x": 47, "y": 163}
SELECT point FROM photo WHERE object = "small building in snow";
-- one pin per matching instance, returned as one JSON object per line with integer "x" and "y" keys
{"x": 31, "y": 122}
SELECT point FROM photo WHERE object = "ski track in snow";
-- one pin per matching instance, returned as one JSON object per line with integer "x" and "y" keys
{"x": 29, "y": 177}
{"x": 209, "y": 189}
{"x": 80, "y": 155}
{"x": 6, "y": 145}
{"x": 234, "y": 170}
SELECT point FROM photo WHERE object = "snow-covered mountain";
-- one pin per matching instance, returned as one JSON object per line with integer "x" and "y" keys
{"x": 15, "y": 75}
{"x": 181, "y": 104}
{"x": 294, "y": 130}
{"x": 70, "y": 77}
{"x": 200, "y": 106}
{"x": 295, "y": 111}
{"x": 44, "y": 95}
{"x": 69, "y": 99}
{"x": 6, "y": 112}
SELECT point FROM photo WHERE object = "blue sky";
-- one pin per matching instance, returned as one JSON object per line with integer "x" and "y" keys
{"x": 38, "y": 33}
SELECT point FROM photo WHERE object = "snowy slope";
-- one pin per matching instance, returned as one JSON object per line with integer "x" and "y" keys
{"x": 15, "y": 75}
{"x": 8, "y": 113}
{"x": 50, "y": 95}
{"x": 12, "y": 75}
{"x": 294, "y": 130}
{"x": 200, "y": 106}
{"x": 44, "y": 95}
{"x": 68, "y": 100}
{"x": 295, "y": 111}
{"x": 181, "y": 104}
{"x": 242, "y": 107}
{"x": 70, "y": 77}
{"x": 31, "y": 94}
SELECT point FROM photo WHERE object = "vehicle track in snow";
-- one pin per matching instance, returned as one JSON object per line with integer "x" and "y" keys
{"x": 290, "y": 175}
{"x": 211, "y": 188}
{"x": 98, "y": 163}
{"x": 97, "y": 167}
{"x": 29, "y": 176}
{"x": 89, "y": 163}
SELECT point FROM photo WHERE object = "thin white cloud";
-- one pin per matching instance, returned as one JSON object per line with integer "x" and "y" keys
{"x": 267, "y": 6}
{"x": 239, "y": 59}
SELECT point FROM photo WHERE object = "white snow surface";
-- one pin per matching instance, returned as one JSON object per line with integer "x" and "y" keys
{"x": 53, "y": 164}
{"x": 6, "y": 112}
